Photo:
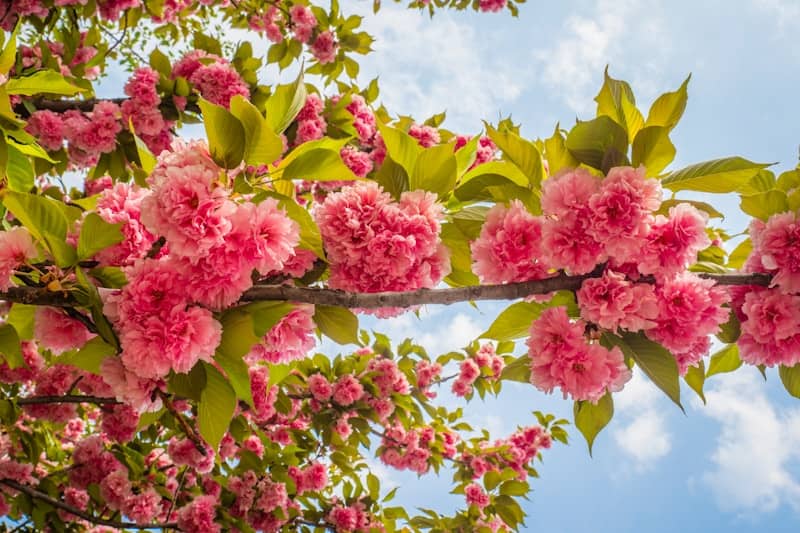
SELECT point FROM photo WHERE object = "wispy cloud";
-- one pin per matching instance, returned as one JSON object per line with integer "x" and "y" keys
{"x": 620, "y": 33}
{"x": 755, "y": 460}
{"x": 427, "y": 66}
{"x": 643, "y": 434}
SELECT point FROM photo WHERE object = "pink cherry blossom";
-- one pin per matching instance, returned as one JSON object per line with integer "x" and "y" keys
{"x": 509, "y": 246}
{"x": 779, "y": 246}
{"x": 612, "y": 302}
{"x": 16, "y": 248}
{"x": 673, "y": 243}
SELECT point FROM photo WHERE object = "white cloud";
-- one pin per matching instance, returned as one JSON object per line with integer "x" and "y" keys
{"x": 756, "y": 450}
{"x": 643, "y": 434}
{"x": 427, "y": 66}
{"x": 619, "y": 33}
{"x": 786, "y": 13}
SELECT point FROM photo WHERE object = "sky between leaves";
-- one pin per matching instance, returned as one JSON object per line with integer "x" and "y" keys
{"x": 733, "y": 465}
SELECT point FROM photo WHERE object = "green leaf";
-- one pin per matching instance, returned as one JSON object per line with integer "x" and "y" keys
{"x": 226, "y": 137}
{"x": 725, "y": 360}
{"x": 277, "y": 373}
{"x": 238, "y": 337}
{"x": 600, "y": 143}
{"x": 653, "y": 149}
{"x": 96, "y": 235}
{"x": 9, "y": 53}
{"x": 514, "y": 322}
{"x": 616, "y": 100}
{"x": 435, "y": 170}
{"x": 146, "y": 158}
{"x": 695, "y": 377}
{"x": 42, "y": 82}
{"x": 216, "y": 407}
{"x": 392, "y": 177}
{"x": 338, "y": 323}
{"x": 401, "y": 147}
{"x": 267, "y": 314}
{"x": 373, "y": 486}
{"x": 730, "y": 330}
{"x": 21, "y": 317}
{"x": 45, "y": 220}
{"x": 765, "y": 204}
{"x": 521, "y": 152}
{"x": 19, "y": 171}
{"x": 160, "y": 62}
{"x": 591, "y": 418}
{"x": 556, "y": 153}
{"x": 310, "y": 238}
{"x": 717, "y": 176}
{"x": 285, "y": 103}
{"x": 262, "y": 145}
{"x": 668, "y": 108}
{"x": 503, "y": 169}
{"x": 90, "y": 356}
{"x": 514, "y": 487}
{"x": 10, "y": 347}
{"x": 790, "y": 376}
{"x": 655, "y": 361}
{"x": 319, "y": 164}
{"x": 519, "y": 370}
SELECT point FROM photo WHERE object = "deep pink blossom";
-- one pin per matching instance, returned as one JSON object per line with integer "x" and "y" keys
{"x": 771, "y": 328}
{"x": 347, "y": 390}
{"x": 288, "y": 340}
{"x": 779, "y": 246}
{"x": 560, "y": 357}
{"x": 186, "y": 205}
{"x": 612, "y": 302}
{"x": 509, "y": 246}
{"x": 622, "y": 211}
{"x": 427, "y": 136}
{"x": 568, "y": 193}
{"x": 219, "y": 82}
{"x": 325, "y": 47}
{"x": 476, "y": 495}
{"x": 689, "y": 307}
{"x": 673, "y": 242}
{"x": 48, "y": 127}
{"x": 199, "y": 516}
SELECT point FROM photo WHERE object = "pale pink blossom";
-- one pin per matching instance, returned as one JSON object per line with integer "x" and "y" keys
{"x": 58, "y": 332}
{"x": 16, "y": 248}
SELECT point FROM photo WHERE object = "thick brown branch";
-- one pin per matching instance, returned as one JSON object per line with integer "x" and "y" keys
{"x": 58, "y": 504}
{"x": 70, "y": 398}
{"x": 60, "y": 106}
{"x": 510, "y": 291}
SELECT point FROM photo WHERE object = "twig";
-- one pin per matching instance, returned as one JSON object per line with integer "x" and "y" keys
{"x": 69, "y": 398}
{"x": 33, "y": 493}
{"x": 191, "y": 434}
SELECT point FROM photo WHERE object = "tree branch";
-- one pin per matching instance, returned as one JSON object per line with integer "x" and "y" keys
{"x": 69, "y": 398}
{"x": 509, "y": 291}
{"x": 33, "y": 493}
{"x": 60, "y": 106}
{"x": 191, "y": 434}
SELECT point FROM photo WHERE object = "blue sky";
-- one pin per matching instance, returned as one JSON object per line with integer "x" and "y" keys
{"x": 733, "y": 465}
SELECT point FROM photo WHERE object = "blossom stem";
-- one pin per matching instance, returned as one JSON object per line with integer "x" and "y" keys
{"x": 191, "y": 434}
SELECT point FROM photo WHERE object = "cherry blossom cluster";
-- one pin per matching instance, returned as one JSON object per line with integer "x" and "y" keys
{"x": 515, "y": 451}
{"x": 770, "y": 317}
{"x": 69, "y": 62}
{"x": 89, "y": 135}
{"x": 376, "y": 244}
{"x": 212, "y": 76}
{"x": 301, "y": 24}
{"x": 588, "y": 221}
{"x": 214, "y": 244}
{"x": 485, "y": 363}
